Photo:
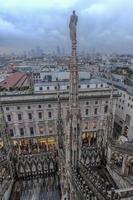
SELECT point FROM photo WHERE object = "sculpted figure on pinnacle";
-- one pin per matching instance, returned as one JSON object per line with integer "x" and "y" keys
{"x": 72, "y": 26}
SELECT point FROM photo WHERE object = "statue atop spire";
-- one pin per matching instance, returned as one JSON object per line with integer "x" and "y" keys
{"x": 72, "y": 26}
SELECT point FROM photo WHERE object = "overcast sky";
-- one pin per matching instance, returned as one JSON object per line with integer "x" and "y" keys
{"x": 104, "y": 25}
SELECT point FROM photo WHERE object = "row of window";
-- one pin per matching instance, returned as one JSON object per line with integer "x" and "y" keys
{"x": 30, "y": 116}
{"x": 49, "y": 105}
{"x": 22, "y": 131}
{"x": 40, "y": 116}
{"x": 96, "y": 102}
{"x": 87, "y": 103}
{"x": 130, "y": 98}
{"x": 29, "y": 107}
{"x": 88, "y": 86}
{"x": 130, "y": 105}
{"x": 119, "y": 106}
{"x": 96, "y": 110}
{"x": 87, "y": 111}
{"x": 122, "y": 101}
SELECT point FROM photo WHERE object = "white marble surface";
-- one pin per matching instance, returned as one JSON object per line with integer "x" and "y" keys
{"x": 39, "y": 189}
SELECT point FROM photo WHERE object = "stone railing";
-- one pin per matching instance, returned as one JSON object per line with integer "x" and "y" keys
{"x": 102, "y": 189}
{"x": 125, "y": 147}
{"x": 92, "y": 156}
{"x": 36, "y": 165}
{"x": 82, "y": 189}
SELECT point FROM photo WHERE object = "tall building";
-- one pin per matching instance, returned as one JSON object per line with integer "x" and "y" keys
{"x": 58, "y": 51}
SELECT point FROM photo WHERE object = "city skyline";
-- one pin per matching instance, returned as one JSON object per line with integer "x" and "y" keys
{"x": 105, "y": 25}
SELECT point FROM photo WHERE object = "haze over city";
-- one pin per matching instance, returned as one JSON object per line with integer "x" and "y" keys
{"x": 105, "y": 25}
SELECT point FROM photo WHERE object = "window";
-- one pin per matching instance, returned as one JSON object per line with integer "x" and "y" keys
{"x": 30, "y": 115}
{"x": 86, "y": 125}
{"x": 105, "y": 109}
{"x": 11, "y": 133}
{"x": 40, "y": 88}
{"x": 106, "y": 102}
{"x": 50, "y": 131}
{"x": 129, "y": 98}
{"x": 39, "y": 106}
{"x": 21, "y": 131}
{"x": 29, "y": 107}
{"x": 40, "y": 115}
{"x": 123, "y": 101}
{"x": 79, "y": 86}
{"x": 67, "y": 86}
{"x": 49, "y": 105}
{"x": 95, "y": 111}
{"x": 7, "y": 108}
{"x": 94, "y": 125}
{"x": 122, "y": 107}
{"x": 19, "y": 117}
{"x": 49, "y": 114}
{"x": 55, "y": 88}
{"x": 47, "y": 88}
{"x": 9, "y": 118}
{"x": 41, "y": 130}
{"x": 88, "y": 86}
{"x": 119, "y": 106}
{"x": 131, "y": 106}
{"x": 86, "y": 111}
{"x": 128, "y": 104}
{"x": 31, "y": 131}
{"x": 18, "y": 108}
{"x": 96, "y": 102}
{"x": 87, "y": 103}
{"x": 101, "y": 85}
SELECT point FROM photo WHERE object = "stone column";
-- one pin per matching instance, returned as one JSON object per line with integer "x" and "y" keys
{"x": 19, "y": 150}
{"x": 38, "y": 150}
{"x": 124, "y": 167}
{"x": 29, "y": 149}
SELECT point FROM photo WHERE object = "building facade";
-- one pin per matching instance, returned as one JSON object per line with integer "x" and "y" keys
{"x": 35, "y": 115}
{"x": 124, "y": 112}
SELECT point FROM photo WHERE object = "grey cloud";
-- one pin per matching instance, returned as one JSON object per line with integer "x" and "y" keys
{"x": 103, "y": 24}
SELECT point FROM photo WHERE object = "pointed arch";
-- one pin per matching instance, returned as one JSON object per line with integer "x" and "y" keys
{"x": 27, "y": 167}
{"x": 33, "y": 166}
{"x": 51, "y": 164}
{"x": 21, "y": 168}
{"x": 46, "y": 164}
{"x": 39, "y": 166}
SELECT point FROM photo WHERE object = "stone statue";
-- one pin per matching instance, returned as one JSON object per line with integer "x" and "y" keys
{"x": 72, "y": 26}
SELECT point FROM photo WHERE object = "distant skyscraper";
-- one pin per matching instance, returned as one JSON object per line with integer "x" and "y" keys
{"x": 58, "y": 51}
{"x": 63, "y": 51}
{"x": 38, "y": 51}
